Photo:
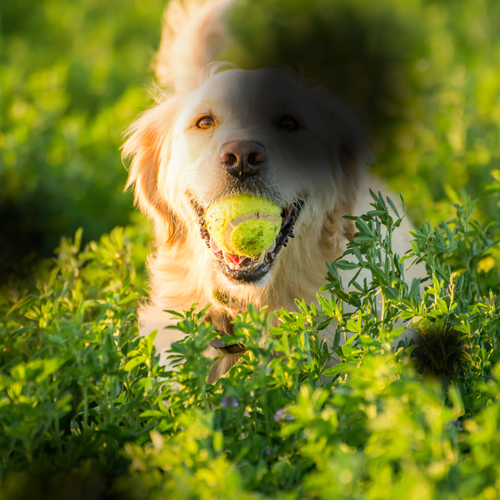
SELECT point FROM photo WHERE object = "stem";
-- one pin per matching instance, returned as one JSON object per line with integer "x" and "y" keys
{"x": 383, "y": 311}
{"x": 85, "y": 405}
{"x": 389, "y": 234}
{"x": 58, "y": 435}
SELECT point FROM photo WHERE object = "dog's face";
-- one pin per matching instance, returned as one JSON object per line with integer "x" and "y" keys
{"x": 253, "y": 132}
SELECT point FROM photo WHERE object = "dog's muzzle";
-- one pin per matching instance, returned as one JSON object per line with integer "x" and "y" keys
{"x": 247, "y": 269}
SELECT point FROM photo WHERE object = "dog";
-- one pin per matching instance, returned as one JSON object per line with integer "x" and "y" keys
{"x": 222, "y": 131}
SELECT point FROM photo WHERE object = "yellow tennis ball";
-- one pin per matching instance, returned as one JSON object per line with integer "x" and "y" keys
{"x": 243, "y": 225}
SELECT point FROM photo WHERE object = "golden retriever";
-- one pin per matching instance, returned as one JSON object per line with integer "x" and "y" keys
{"x": 223, "y": 132}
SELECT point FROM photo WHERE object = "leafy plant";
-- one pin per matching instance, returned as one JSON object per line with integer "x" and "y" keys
{"x": 84, "y": 400}
{"x": 85, "y": 406}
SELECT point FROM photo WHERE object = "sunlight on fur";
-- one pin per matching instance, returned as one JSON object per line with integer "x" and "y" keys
{"x": 177, "y": 172}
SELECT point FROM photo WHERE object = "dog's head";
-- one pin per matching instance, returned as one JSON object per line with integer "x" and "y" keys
{"x": 257, "y": 132}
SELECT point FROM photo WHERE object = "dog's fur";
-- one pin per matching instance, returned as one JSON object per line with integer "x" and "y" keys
{"x": 175, "y": 164}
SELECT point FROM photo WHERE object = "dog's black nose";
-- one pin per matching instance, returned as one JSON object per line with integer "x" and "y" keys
{"x": 242, "y": 159}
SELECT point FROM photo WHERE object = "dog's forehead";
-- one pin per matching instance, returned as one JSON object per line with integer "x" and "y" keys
{"x": 262, "y": 90}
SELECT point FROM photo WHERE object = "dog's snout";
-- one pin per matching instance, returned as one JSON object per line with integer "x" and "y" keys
{"x": 242, "y": 159}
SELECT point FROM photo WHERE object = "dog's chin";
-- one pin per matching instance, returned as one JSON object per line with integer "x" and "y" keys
{"x": 256, "y": 270}
{"x": 254, "y": 273}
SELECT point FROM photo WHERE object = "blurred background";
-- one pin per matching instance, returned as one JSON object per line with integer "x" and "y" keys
{"x": 74, "y": 75}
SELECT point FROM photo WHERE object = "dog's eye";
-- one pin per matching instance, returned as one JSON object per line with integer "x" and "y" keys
{"x": 288, "y": 124}
{"x": 205, "y": 122}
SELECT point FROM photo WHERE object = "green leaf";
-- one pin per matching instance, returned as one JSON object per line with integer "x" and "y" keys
{"x": 324, "y": 324}
{"x": 23, "y": 304}
{"x": 391, "y": 204}
{"x": 50, "y": 366}
{"x": 335, "y": 370}
{"x": 353, "y": 326}
{"x": 345, "y": 265}
{"x": 443, "y": 307}
{"x": 174, "y": 313}
{"x": 152, "y": 413}
{"x": 406, "y": 257}
{"x": 135, "y": 362}
{"x": 129, "y": 298}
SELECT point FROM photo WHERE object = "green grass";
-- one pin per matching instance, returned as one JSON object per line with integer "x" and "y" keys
{"x": 84, "y": 406}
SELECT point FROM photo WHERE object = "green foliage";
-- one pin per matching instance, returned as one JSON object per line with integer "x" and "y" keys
{"x": 72, "y": 78}
{"x": 84, "y": 399}
{"x": 60, "y": 359}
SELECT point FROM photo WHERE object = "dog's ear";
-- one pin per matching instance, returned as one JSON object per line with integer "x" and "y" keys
{"x": 148, "y": 144}
{"x": 353, "y": 154}
{"x": 354, "y": 157}
{"x": 350, "y": 157}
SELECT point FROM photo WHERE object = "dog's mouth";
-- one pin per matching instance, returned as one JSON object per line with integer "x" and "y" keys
{"x": 247, "y": 268}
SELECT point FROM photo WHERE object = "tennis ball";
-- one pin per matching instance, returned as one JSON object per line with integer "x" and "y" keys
{"x": 243, "y": 225}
